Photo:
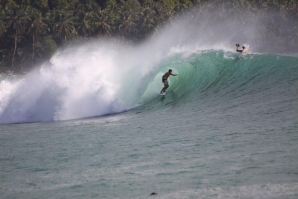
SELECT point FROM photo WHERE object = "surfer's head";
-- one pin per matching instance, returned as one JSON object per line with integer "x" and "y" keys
{"x": 170, "y": 70}
{"x": 243, "y": 47}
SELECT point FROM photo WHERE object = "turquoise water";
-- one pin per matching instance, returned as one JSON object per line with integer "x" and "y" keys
{"x": 227, "y": 128}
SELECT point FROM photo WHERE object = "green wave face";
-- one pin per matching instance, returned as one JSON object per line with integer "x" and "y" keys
{"x": 209, "y": 75}
{"x": 115, "y": 81}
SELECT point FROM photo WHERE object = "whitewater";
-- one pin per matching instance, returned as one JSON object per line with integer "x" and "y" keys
{"x": 89, "y": 123}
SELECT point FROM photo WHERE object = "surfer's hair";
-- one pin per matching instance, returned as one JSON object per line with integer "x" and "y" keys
{"x": 170, "y": 70}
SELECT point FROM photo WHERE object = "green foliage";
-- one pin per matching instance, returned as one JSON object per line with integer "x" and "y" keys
{"x": 42, "y": 5}
{"x": 65, "y": 28}
{"x": 110, "y": 3}
{"x": 84, "y": 24}
{"x": 31, "y": 30}
{"x": 169, "y": 4}
{"x": 58, "y": 4}
{"x": 47, "y": 47}
{"x": 9, "y": 4}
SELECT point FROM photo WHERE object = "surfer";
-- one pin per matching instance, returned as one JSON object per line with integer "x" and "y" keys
{"x": 165, "y": 81}
{"x": 240, "y": 51}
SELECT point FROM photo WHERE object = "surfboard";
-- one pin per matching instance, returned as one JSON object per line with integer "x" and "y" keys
{"x": 161, "y": 93}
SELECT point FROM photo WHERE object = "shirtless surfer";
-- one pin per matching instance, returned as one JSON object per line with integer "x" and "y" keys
{"x": 165, "y": 80}
{"x": 240, "y": 51}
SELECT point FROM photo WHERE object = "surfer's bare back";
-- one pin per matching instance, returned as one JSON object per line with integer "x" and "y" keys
{"x": 165, "y": 81}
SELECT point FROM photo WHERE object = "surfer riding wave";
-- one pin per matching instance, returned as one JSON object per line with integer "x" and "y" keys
{"x": 165, "y": 81}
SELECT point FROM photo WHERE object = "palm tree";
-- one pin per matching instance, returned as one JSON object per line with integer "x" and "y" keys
{"x": 65, "y": 27}
{"x": 36, "y": 28}
{"x": 147, "y": 20}
{"x": 127, "y": 24}
{"x": 84, "y": 24}
{"x": 130, "y": 13}
{"x": 16, "y": 21}
{"x": 102, "y": 22}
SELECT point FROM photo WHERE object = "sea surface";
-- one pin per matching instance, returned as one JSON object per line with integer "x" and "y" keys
{"x": 227, "y": 128}
{"x": 89, "y": 122}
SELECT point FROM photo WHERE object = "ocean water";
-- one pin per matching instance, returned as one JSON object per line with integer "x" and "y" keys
{"x": 90, "y": 123}
{"x": 227, "y": 128}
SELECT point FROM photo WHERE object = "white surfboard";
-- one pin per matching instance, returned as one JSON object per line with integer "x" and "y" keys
{"x": 161, "y": 93}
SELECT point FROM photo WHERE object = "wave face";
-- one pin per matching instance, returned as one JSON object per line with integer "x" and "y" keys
{"x": 107, "y": 77}
{"x": 98, "y": 84}
{"x": 209, "y": 75}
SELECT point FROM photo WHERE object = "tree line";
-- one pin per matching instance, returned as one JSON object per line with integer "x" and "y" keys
{"x": 31, "y": 30}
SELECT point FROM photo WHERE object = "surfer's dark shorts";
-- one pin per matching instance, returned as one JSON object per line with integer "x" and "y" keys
{"x": 165, "y": 81}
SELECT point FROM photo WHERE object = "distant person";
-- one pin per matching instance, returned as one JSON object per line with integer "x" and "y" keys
{"x": 165, "y": 80}
{"x": 237, "y": 48}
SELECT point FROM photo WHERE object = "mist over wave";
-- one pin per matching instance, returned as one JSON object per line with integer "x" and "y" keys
{"x": 90, "y": 80}
{"x": 106, "y": 77}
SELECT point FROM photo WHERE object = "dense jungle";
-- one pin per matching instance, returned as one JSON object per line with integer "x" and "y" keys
{"x": 32, "y": 30}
